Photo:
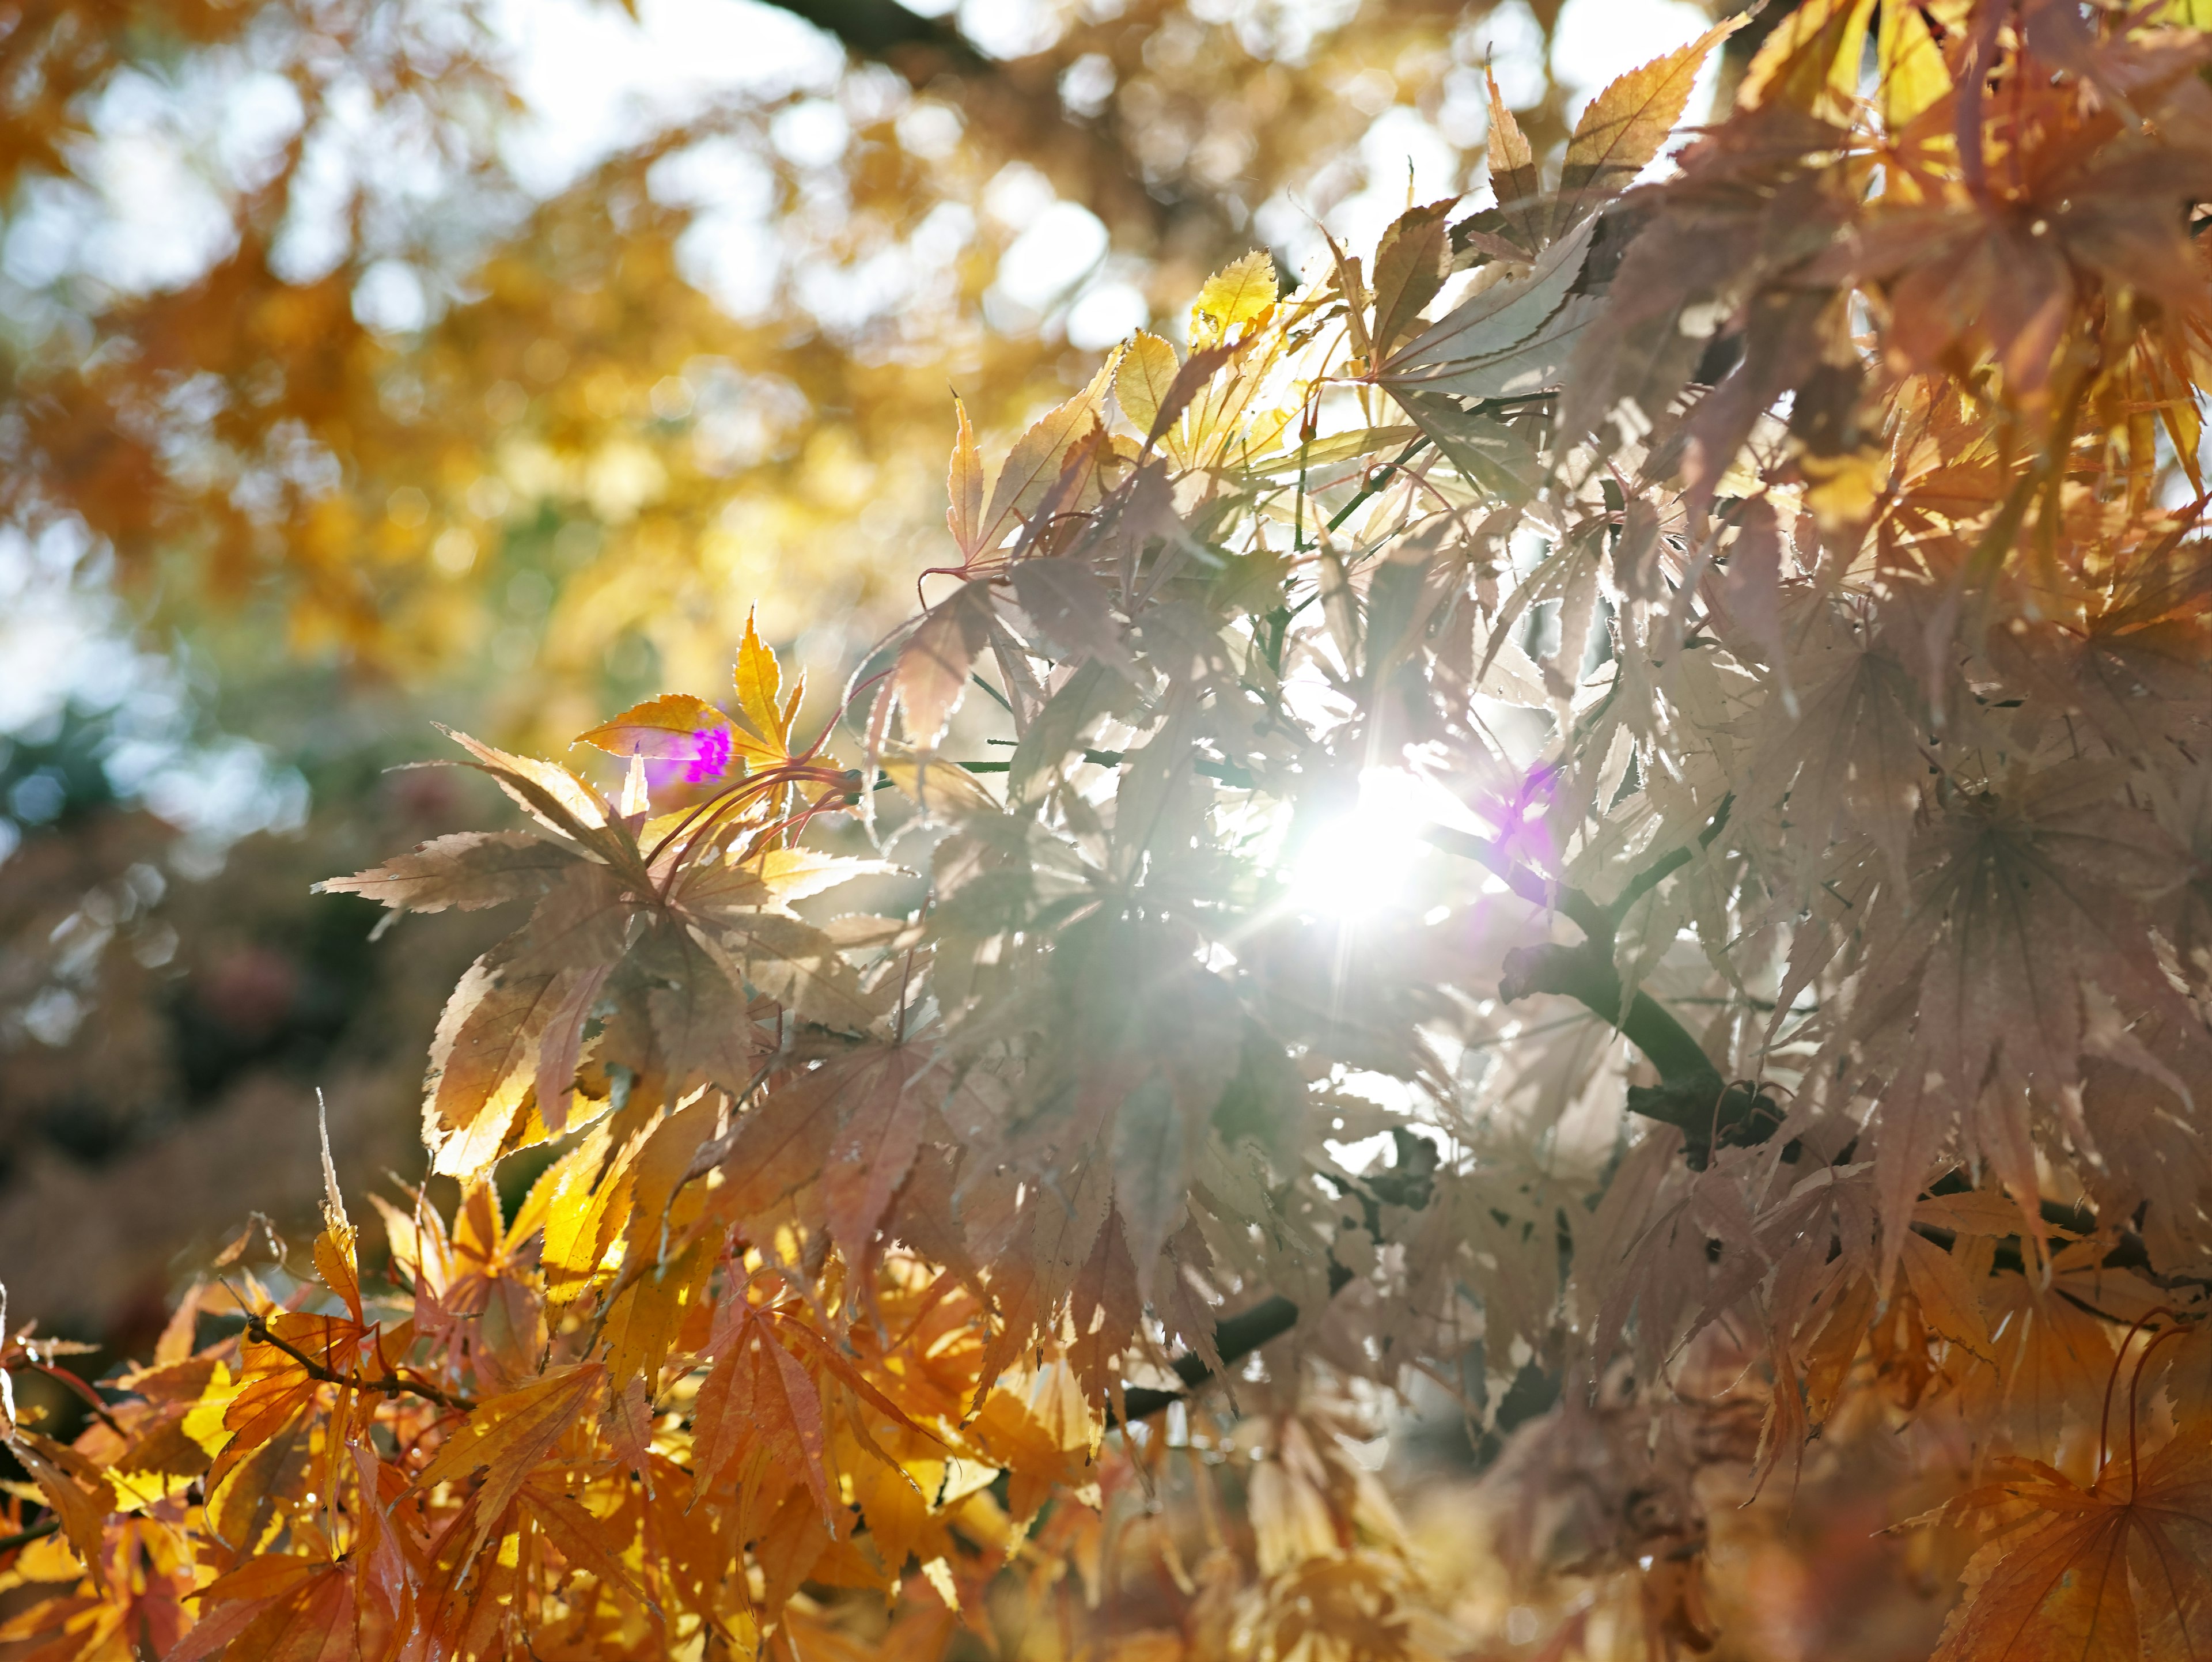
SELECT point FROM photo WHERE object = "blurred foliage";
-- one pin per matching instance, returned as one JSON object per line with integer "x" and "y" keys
{"x": 564, "y": 484}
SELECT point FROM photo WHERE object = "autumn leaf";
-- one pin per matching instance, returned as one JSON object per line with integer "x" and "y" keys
{"x": 963, "y": 484}
{"x": 1409, "y": 271}
{"x": 1034, "y": 464}
{"x": 80, "y": 1494}
{"x": 284, "y": 1608}
{"x": 1237, "y": 293}
{"x": 1632, "y": 857}
{"x": 758, "y": 1396}
{"x": 2121, "y": 1569}
{"x": 759, "y": 684}
{"x": 532, "y": 990}
{"x": 1513, "y": 176}
{"x": 503, "y": 1440}
{"x": 674, "y": 728}
{"x": 932, "y": 669}
{"x": 554, "y": 797}
{"x": 1623, "y": 127}
{"x": 1812, "y": 60}
{"x": 1513, "y": 335}
{"x": 1147, "y": 370}
{"x": 470, "y": 870}
{"x": 881, "y": 1099}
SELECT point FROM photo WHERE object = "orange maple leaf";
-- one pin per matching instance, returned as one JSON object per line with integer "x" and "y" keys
{"x": 2120, "y": 1571}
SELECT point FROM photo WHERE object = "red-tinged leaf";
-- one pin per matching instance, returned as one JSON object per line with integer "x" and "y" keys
{"x": 560, "y": 1045}
{"x": 881, "y": 1109}
{"x": 933, "y": 664}
{"x": 758, "y": 1397}
{"x": 701, "y": 1018}
{"x": 1501, "y": 331}
{"x": 315, "y": 1624}
{"x": 485, "y": 1052}
{"x": 825, "y": 1351}
{"x": 79, "y": 1496}
{"x": 470, "y": 870}
{"x": 276, "y": 1608}
{"x": 1033, "y": 1269}
{"x": 590, "y": 1544}
{"x": 504, "y": 1440}
{"x": 1352, "y": 283}
{"x": 212, "y": 1632}
{"x": 1153, "y": 1144}
{"x": 232, "y": 1603}
{"x": 772, "y": 1151}
{"x": 673, "y": 727}
{"x": 1513, "y": 177}
{"x": 379, "y": 1563}
{"x": 1071, "y": 606}
{"x": 1076, "y": 489}
{"x": 1752, "y": 588}
{"x": 269, "y": 1407}
{"x": 1106, "y": 1307}
{"x": 1949, "y": 1302}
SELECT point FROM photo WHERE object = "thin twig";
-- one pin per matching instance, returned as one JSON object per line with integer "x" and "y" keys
{"x": 390, "y": 1385}
{"x": 23, "y": 1537}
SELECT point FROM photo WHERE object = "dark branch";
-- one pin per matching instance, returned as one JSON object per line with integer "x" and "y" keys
{"x": 1233, "y": 1340}
{"x": 23, "y": 1537}
{"x": 1537, "y": 889}
{"x": 391, "y": 1384}
{"x": 1664, "y": 867}
{"x": 1690, "y": 1095}
{"x": 888, "y": 31}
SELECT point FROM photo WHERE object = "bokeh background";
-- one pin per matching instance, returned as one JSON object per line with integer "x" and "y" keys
{"x": 369, "y": 364}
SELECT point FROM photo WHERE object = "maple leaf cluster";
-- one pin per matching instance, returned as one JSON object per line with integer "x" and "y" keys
{"x": 1774, "y": 598}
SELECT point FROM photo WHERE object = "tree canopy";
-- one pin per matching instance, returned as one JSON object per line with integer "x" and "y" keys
{"x": 1599, "y": 810}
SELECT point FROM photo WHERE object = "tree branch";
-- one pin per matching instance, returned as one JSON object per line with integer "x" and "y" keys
{"x": 390, "y": 1384}
{"x": 1690, "y": 1095}
{"x": 1532, "y": 886}
{"x": 1233, "y": 1340}
{"x": 23, "y": 1537}
{"x": 887, "y": 31}
{"x": 1016, "y": 106}
{"x": 1665, "y": 867}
